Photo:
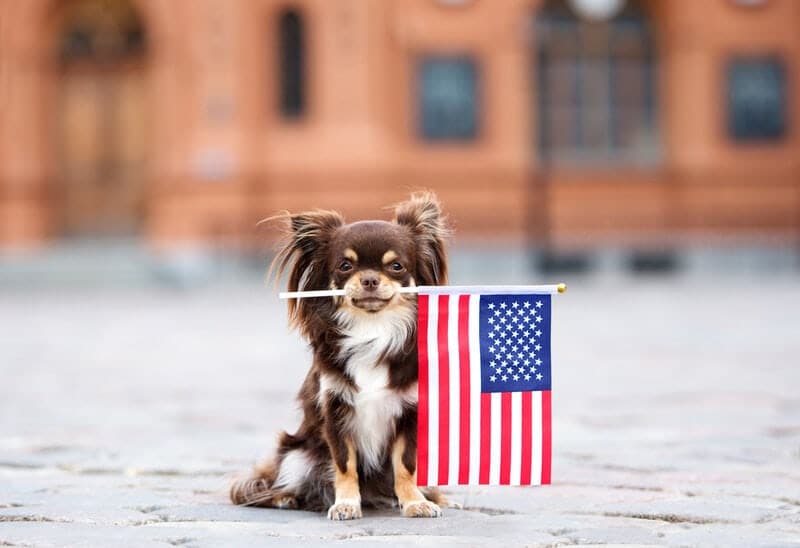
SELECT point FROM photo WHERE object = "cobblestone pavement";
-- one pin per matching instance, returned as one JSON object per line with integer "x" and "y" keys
{"x": 124, "y": 415}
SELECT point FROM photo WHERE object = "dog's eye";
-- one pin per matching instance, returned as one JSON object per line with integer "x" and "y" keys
{"x": 396, "y": 267}
{"x": 345, "y": 266}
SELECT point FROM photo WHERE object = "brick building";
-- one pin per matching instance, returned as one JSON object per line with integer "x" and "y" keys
{"x": 189, "y": 120}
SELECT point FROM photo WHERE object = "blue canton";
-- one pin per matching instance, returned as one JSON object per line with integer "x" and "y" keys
{"x": 515, "y": 343}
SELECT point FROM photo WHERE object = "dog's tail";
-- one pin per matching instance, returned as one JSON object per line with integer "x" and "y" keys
{"x": 254, "y": 491}
{"x": 258, "y": 489}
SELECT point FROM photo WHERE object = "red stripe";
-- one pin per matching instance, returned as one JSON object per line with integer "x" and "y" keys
{"x": 422, "y": 405}
{"x": 486, "y": 438}
{"x": 444, "y": 391}
{"x": 527, "y": 450}
{"x": 505, "y": 438}
{"x": 546, "y": 437}
{"x": 463, "y": 361}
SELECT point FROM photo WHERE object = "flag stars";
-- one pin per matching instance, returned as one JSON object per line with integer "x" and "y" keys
{"x": 538, "y": 319}
{"x": 539, "y": 376}
{"x": 539, "y": 304}
{"x": 537, "y": 347}
{"x": 538, "y": 362}
{"x": 493, "y": 378}
{"x": 491, "y": 306}
{"x": 502, "y": 305}
{"x": 526, "y": 304}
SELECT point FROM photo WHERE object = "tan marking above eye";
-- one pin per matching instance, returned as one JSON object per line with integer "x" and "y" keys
{"x": 389, "y": 256}
{"x": 350, "y": 255}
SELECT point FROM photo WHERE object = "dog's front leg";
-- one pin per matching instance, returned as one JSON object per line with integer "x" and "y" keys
{"x": 347, "y": 504}
{"x": 412, "y": 502}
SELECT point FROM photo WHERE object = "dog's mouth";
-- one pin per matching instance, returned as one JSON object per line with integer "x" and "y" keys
{"x": 371, "y": 303}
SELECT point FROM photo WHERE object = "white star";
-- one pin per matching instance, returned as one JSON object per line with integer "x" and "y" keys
{"x": 492, "y": 364}
{"x": 509, "y": 312}
{"x": 538, "y": 347}
{"x": 496, "y": 312}
{"x": 527, "y": 377}
{"x": 502, "y": 320}
{"x": 504, "y": 378}
{"x": 527, "y": 333}
{"x": 533, "y": 370}
{"x": 502, "y": 305}
{"x": 538, "y": 376}
{"x": 491, "y": 334}
{"x": 491, "y": 349}
{"x": 538, "y": 319}
{"x": 539, "y": 304}
{"x": 527, "y": 362}
{"x": 521, "y": 369}
{"x": 490, "y": 320}
{"x": 538, "y": 362}
{"x": 527, "y": 304}
{"x": 515, "y": 304}
{"x": 538, "y": 333}
{"x": 491, "y": 306}
{"x": 516, "y": 377}
{"x": 492, "y": 378}
{"x": 510, "y": 370}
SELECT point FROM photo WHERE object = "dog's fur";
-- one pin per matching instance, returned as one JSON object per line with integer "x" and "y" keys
{"x": 357, "y": 442}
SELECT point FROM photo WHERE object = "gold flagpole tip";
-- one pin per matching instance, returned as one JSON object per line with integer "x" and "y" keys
{"x": 561, "y": 287}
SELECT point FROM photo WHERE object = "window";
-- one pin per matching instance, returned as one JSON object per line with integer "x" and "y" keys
{"x": 291, "y": 49}
{"x": 448, "y": 98}
{"x": 756, "y": 99}
{"x": 596, "y": 88}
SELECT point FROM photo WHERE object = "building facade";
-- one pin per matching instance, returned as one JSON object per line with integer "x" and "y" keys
{"x": 188, "y": 121}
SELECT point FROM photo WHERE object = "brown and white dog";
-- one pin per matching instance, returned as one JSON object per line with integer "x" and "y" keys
{"x": 357, "y": 441}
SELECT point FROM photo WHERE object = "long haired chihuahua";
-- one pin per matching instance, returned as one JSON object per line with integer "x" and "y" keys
{"x": 357, "y": 443}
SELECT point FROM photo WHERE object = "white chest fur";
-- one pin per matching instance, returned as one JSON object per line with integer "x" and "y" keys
{"x": 367, "y": 340}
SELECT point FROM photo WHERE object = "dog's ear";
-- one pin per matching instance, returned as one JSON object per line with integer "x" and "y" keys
{"x": 304, "y": 253}
{"x": 422, "y": 213}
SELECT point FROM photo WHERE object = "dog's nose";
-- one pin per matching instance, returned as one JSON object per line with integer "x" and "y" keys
{"x": 370, "y": 281}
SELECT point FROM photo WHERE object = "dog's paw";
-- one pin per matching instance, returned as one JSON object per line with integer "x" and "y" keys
{"x": 345, "y": 509}
{"x": 421, "y": 509}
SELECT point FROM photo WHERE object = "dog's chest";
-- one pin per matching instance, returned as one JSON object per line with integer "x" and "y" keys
{"x": 376, "y": 405}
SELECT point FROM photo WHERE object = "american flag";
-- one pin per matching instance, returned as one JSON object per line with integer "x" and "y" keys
{"x": 484, "y": 389}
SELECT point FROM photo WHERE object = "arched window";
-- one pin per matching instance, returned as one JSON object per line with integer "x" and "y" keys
{"x": 596, "y": 87}
{"x": 291, "y": 63}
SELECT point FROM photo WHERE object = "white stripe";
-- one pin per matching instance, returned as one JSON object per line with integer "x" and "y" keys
{"x": 536, "y": 439}
{"x": 516, "y": 437}
{"x": 475, "y": 390}
{"x": 433, "y": 391}
{"x": 497, "y": 427}
{"x": 455, "y": 390}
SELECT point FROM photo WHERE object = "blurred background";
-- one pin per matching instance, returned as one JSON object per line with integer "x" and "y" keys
{"x": 649, "y": 135}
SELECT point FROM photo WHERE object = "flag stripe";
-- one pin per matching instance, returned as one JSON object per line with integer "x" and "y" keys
{"x": 475, "y": 392}
{"x": 455, "y": 399}
{"x": 536, "y": 429}
{"x": 494, "y": 437}
{"x": 526, "y": 431}
{"x": 486, "y": 437}
{"x": 444, "y": 391}
{"x": 505, "y": 438}
{"x": 422, "y": 404}
{"x": 516, "y": 437}
{"x": 546, "y": 437}
{"x": 463, "y": 360}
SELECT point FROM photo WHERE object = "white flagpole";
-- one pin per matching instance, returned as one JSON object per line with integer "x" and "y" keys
{"x": 438, "y": 289}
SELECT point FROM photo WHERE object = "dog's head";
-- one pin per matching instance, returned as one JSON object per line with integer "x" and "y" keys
{"x": 370, "y": 260}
